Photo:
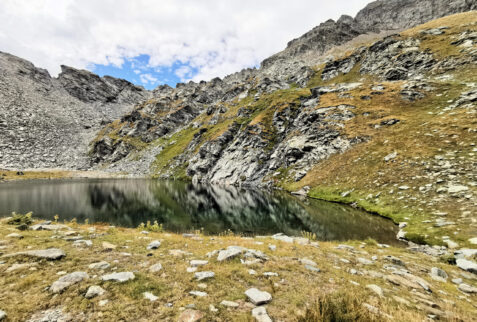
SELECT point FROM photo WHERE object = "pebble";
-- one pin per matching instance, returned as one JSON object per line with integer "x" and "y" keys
{"x": 191, "y": 269}
{"x": 198, "y": 293}
{"x": 82, "y": 243}
{"x": 270, "y": 274}
{"x": 312, "y": 268}
{"x": 103, "y": 302}
{"x": 307, "y": 261}
{"x": 15, "y": 235}
{"x": 119, "y": 277}
{"x": 258, "y": 297}
{"x": 149, "y": 296}
{"x": 108, "y": 246}
{"x": 272, "y": 247}
{"x": 94, "y": 291}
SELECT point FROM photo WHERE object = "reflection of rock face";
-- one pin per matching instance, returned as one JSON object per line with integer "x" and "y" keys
{"x": 182, "y": 207}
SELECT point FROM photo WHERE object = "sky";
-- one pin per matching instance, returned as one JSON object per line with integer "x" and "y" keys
{"x": 155, "y": 42}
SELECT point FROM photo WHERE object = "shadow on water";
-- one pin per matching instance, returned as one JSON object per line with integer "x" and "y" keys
{"x": 183, "y": 207}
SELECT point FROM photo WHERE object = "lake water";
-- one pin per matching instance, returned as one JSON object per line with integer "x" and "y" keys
{"x": 183, "y": 207}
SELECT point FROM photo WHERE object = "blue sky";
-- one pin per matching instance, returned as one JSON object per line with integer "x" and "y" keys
{"x": 139, "y": 71}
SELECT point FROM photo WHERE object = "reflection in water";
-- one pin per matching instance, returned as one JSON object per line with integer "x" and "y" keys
{"x": 183, "y": 207}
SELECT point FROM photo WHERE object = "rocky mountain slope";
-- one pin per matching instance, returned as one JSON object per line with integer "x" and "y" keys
{"x": 47, "y": 122}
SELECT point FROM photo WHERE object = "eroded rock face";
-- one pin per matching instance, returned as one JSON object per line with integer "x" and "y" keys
{"x": 49, "y": 122}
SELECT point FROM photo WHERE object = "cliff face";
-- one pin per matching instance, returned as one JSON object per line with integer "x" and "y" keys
{"x": 47, "y": 122}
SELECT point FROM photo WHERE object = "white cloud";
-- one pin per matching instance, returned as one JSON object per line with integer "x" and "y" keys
{"x": 148, "y": 79}
{"x": 184, "y": 73}
{"x": 216, "y": 37}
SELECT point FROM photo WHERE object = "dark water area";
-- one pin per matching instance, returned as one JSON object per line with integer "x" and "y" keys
{"x": 183, "y": 207}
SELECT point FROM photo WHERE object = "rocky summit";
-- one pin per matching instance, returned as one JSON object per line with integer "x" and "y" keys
{"x": 376, "y": 111}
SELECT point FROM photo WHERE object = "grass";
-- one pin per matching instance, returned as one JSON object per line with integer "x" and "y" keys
{"x": 298, "y": 294}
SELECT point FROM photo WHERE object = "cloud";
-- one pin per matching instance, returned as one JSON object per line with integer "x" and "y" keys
{"x": 213, "y": 37}
{"x": 148, "y": 79}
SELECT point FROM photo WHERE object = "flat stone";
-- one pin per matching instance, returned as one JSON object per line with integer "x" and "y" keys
{"x": 376, "y": 289}
{"x": 457, "y": 281}
{"x": 198, "y": 293}
{"x": 200, "y": 276}
{"x": 14, "y": 235}
{"x": 473, "y": 241}
{"x": 312, "y": 268}
{"x": 49, "y": 254}
{"x": 272, "y": 247}
{"x": 191, "y": 269}
{"x": 258, "y": 297}
{"x": 395, "y": 260}
{"x": 229, "y": 253}
{"x": 3, "y": 315}
{"x": 149, "y": 296}
{"x": 190, "y": 316}
{"x": 119, "y": 277}
{"x": 99, "y": 265}
{"x": 466, "y": 288}
{"x": 364, "y": 261}
{"x": 270, "y": 274}
{"x": 103, "y": 302}
{"x": 66, "y": 281}
{"x": 307, "y": 261}
{"x": 94, "y": 291}
{"x": 17, "y": 267}
{"x": 467, "y": 265}
{"x": 260, "y": 314}
{"x": 230, "y": 304}
{"x": 457, "y": 188}
{"x": 155, "y": 268}
{"x": 465, "y": 253}
{"x": 154, "y": 245}
{"x": 399, "y": 280}
{"x": 195, "y": 263}
{"x": 49, "y": 227}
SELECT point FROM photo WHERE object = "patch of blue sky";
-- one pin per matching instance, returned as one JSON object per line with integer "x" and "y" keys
{"x": 138, "y": 71}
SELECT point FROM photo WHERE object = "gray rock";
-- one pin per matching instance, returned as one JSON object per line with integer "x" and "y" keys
{"x": 83, "y": 243}
{"x": 376, "y": 289}
{"x": 196, "y": 263}
{"x": 154, "y": 245}
{"x": 155, "y": 268}
{"x": 14, "y": 235}
{"x": 229, "y": 304}
{"x": 312, "y": 268}
{"x": 3, "y": 315}
{"x": 467, "y": 265}
{"x": 439, "y": 274}
{"x": 229, "y": 253}
{"x": 466, "y": 288}
{"x": 48, "y": 254}
{"x": 258, "y": 297}
{"x": 198, "y": 293}
{"x": 151, "y": 297}
{"x": 94, "y": 291}
{"x": 119, "y": 277}
{"x": 260, "y": 314}
{"x": 66, "y": 281}
{"x": 99, "y": 265}
{"x": 200, "y": 276}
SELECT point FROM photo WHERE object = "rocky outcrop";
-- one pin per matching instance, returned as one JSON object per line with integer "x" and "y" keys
{"x": 48, "y": 122}
{"x": 378, "y": 16}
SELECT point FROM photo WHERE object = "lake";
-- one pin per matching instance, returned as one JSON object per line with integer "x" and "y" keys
{"x": 184, "y": 207}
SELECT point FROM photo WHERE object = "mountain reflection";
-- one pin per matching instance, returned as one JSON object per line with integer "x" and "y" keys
{"x": 183, "y": 207}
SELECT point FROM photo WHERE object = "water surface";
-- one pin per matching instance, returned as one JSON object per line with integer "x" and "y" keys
{"x": 183, "y": 207}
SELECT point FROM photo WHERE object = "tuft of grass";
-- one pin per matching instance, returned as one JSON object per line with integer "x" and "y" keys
{"x": 339, "y": 306}
{"x": 21, "y": 220}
